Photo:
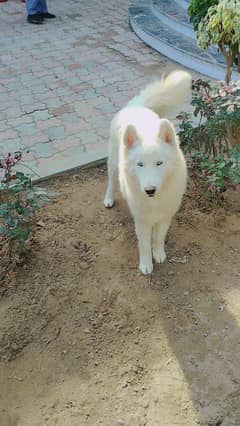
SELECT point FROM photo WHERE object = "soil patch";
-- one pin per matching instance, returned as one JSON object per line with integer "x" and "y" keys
{"x": 86, "y": 340}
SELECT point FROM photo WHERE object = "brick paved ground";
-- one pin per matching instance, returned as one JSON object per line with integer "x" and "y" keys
{"x": 61, "y": 82}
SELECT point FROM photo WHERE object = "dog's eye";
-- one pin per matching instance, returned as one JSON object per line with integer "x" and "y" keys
{"x": 140, "y": 164}
{"x": 159, "y": 163}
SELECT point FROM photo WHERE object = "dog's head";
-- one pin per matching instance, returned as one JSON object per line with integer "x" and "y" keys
{"x": 150, "y": 158}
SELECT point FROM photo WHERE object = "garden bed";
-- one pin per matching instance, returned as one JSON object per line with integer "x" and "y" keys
{"x": 86, "y": 340}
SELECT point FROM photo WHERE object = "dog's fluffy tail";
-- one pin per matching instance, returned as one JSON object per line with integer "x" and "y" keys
{"x": 165, "y": 95}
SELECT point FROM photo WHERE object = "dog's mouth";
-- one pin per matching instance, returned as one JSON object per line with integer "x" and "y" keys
{"x": 150, "y": 195}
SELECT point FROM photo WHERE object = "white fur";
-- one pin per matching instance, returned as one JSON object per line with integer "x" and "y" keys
{"x": 144, "y": 153}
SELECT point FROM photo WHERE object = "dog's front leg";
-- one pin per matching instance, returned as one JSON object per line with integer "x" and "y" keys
{"x": 144, "y": 235}
{"x": 159, "y": 234}
{"x": 112, "y": 180}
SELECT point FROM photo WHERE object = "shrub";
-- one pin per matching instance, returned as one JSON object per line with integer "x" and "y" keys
{"x": 198, "y": 9}
{"x": 18, "y": 203}
{"x": 211, "y": 134}
{"x": 219, "y": 26}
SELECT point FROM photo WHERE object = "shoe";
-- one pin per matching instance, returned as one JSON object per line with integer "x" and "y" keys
{"x": 35, "y": 19}
{"x": 47, "y": 15}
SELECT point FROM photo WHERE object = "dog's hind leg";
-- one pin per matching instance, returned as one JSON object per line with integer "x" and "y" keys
{"x": 112, "y": 180}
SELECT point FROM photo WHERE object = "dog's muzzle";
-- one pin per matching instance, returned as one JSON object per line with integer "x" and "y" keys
{"x": 150, "y": 191}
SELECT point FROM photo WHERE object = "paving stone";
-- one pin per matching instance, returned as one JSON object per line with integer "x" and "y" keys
{"x": 8, "y": 134}
{"x": 41, "y": 115}
{"x": 53, "y": 102}
{"x": 62, "y": 82}
{"x": 27, "y": 129}
{"x": 63, "y": 144}
{"x": 52, "y": 122}
{"x": 3, "y": 125}
{"x": 23, "y": 119}
{"x": 69, "y": 118}
{"x": 75, "y": 128}
{"x": 57, "y": 132}
{"x": 87, "y": 137}
{"x": 44, "y": 149}
{"x": 13, "y": 112}
{"x": 10, "y": 145}
{"x": 33, "y": 140}
{"x": 36, "y": 106}
{"x": 61, "y": 110}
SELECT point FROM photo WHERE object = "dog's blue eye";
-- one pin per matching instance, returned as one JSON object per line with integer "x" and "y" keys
{"x": 159, "y": 163}
{"x": 140, "y": 164}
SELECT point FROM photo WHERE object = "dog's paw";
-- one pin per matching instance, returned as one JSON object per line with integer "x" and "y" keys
{"x": 108, "y": 202}
{"x": 159, "y": 255}
{"x": 146, "y": 268}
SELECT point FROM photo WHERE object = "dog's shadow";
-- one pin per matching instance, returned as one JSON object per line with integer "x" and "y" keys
{"x": 199, "y": 314}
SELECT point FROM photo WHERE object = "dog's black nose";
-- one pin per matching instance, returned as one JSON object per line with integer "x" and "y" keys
{"x": 150, "y": 191}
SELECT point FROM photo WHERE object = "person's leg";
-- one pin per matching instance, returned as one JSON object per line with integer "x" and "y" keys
{"x": 32, "y": 6}
{"x": 32, "y": 10}
{"x": 43, "y": 10}
{"x": 42, "y": 6}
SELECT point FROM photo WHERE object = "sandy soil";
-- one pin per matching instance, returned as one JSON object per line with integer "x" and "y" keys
{"x": 85, "y": 340}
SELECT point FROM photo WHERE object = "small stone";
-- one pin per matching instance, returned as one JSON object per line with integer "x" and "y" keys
{"x": 14, "y": 346}
{"x": 146, "y": 405}
{"x": 84, "y": 266}
{"x": 41, "y": 224}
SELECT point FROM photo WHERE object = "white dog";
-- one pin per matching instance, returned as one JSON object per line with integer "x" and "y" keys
{"x": 144, "y": 153}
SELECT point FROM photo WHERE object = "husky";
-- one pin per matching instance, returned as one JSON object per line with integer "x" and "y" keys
{"x": 144, "y": 154}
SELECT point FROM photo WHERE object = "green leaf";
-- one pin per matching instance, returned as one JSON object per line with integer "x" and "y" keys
{"x": 19, "y": 175}
{"x": 4, "y": 208}
{"x": 2, "y": 230}
{"x": 24, "y": 234}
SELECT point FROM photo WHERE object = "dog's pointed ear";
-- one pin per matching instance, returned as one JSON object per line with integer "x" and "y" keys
{"x": 130, "y": 136}
{"x": 166, "y": 132}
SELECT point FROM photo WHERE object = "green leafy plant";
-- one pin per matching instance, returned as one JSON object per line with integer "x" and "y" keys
{"x": 218, "y": 172}
{"x": 198, "y": 9}
{"x": 219, "y": 26}
{"x": 19, "y": 200}
{"x": 211, "y": 134}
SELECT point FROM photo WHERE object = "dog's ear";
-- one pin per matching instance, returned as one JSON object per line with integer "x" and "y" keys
{"x": 130, "y": 136}
{"x": 166, "y": 131}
